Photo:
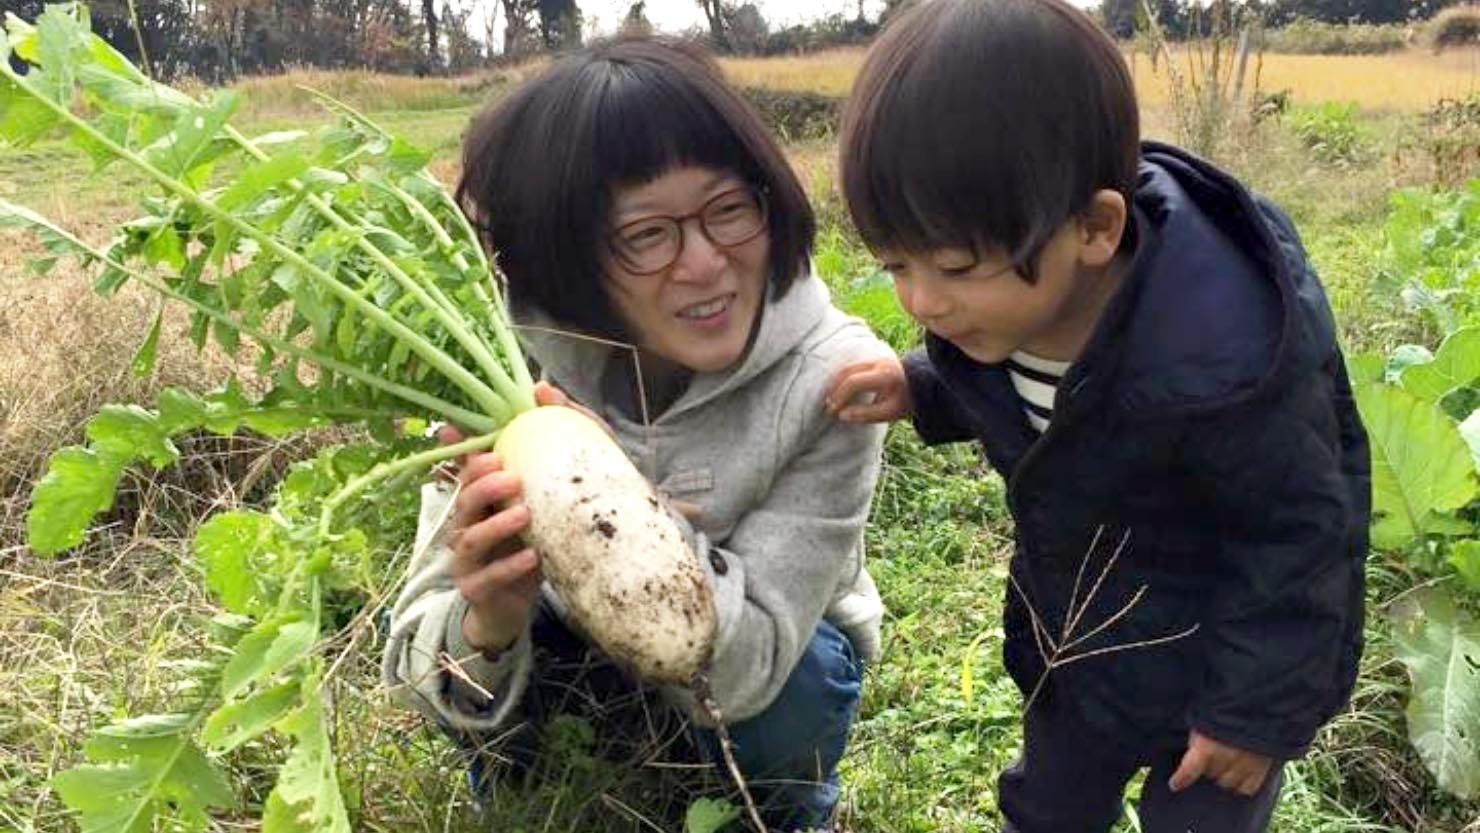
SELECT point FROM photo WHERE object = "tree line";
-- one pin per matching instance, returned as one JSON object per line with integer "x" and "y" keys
{"x": 217, "y": 40}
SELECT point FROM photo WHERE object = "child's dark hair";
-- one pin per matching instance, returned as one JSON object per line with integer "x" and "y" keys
{"x": 985, "y": 124}
{"x": 540, "y": 166}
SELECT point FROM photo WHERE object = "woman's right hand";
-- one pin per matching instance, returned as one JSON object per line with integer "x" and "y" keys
{"x": 491, "y": 566}
{"x": 870, "y": 391}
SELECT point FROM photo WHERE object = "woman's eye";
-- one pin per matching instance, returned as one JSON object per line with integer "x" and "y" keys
{"x": 643, "y": 237}
{"x": 729, "y": 211}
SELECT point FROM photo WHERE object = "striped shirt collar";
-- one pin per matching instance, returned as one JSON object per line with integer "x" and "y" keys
{"x": 1036, "y": 380}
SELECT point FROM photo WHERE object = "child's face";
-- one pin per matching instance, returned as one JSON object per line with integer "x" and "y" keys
{"x": 985, "y": 308}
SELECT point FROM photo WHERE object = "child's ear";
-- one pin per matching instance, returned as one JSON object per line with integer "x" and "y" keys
{"x": 1101, "y": 225}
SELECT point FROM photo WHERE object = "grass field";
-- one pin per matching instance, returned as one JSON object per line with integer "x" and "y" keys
{"x": 1399, "y": 81}
{"x": 99, "y": 634}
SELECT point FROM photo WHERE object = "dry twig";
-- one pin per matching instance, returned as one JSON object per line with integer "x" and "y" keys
{"x": 1057, "y": 653}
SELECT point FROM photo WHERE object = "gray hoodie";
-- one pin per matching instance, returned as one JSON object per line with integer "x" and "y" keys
{"x": 783, "y": 491}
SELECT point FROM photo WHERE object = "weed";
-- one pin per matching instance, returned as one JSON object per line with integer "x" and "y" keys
{"x": 1332, "y": 131}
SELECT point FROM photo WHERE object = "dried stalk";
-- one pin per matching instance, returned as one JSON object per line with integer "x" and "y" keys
{"x": 700, "y": 687}
{"x": 1058, "y": 653}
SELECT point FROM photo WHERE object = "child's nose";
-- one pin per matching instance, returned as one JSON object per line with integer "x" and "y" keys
{"x": 920, "y": 299}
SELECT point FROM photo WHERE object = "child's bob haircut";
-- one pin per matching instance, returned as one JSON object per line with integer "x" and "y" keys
{"x": 985, "y": 125}
{"x": 540, "y": 167}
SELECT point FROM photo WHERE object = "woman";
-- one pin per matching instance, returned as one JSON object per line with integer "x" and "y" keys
{"x": 632, "y": 198}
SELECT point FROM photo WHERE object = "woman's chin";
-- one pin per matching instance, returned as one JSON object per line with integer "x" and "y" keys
{"x": 713, "y": 361}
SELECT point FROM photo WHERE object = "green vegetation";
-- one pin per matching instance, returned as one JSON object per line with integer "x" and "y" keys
{"x": 124, "y": 626}
{"x": 1333, "y": 132}
{"x": 1315, "y": 37}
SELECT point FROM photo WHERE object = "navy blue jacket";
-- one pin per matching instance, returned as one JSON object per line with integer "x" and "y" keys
{"x": 1209, "y": 426}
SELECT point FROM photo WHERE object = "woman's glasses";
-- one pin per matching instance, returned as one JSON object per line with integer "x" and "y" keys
{"x": 652, "y": 244}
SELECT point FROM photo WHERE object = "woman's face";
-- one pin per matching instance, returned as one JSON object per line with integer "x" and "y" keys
{"x": 685, "y": 265}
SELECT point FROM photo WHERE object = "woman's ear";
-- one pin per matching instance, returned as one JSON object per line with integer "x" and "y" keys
{"x": 1101, "y": 225}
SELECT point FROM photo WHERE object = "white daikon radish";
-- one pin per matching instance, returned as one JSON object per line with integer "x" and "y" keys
{"x": 609, "y": 547}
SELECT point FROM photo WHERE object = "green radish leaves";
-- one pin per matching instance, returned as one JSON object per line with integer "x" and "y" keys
{"x": 350, "y": 289}
{"x": 239, "y": 552}
{"x": 274, "y": 645}
{"x": 143, "y": 769}
{"x": 284, "y": 585}
{"x": 307, "y": 796}
{"x": 80, "y": 481}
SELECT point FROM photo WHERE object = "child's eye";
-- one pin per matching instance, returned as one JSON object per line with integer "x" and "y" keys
{"x": 957, "y": 271}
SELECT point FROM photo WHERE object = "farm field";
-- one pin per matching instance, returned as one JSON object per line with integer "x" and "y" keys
{"x": 1408, "y": 81}
{"x": 102, "y": 633}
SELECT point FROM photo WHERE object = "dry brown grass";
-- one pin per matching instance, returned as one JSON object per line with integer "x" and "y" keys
{"x": 65, "y": 351}
{"x": 280, "y": 96}
{"x": 830, "y": 71}
{"x": 1407, "y": 81}
{"x": 63, "y": 626}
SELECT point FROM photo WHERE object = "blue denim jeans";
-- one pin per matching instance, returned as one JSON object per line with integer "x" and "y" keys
{"x": 788, "y": 753}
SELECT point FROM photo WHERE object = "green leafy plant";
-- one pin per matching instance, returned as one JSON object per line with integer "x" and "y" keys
{"x": 359, "y": 294}
{"x": 709, "y": 815}
{"x": 1421, "y": 413}
{"x": 1440, "y": 645}
{"x": 1432, "y": 253}
{"x": 1333, "y": 132}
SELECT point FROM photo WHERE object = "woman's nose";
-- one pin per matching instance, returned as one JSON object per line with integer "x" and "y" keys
{"x": 700, "y": 259}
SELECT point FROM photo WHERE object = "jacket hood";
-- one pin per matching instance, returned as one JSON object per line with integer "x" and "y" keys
{"x": 1221, "y": 301}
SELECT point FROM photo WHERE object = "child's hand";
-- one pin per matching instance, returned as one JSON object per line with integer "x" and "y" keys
{"x": 871, "y": 391}
{"x": 1233, "y": 769}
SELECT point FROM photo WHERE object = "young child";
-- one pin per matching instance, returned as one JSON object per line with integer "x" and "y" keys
{"x": 1144, "y": 353}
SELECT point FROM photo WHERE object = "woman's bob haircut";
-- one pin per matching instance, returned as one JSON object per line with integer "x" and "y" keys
{"x": 540, "y": 168}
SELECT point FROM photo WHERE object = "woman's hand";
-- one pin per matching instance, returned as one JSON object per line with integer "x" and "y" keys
{"x": 870, "y": 391}
{"x": 491, "y": 566}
